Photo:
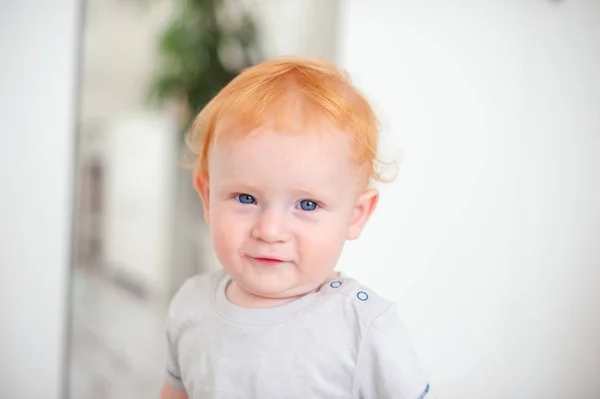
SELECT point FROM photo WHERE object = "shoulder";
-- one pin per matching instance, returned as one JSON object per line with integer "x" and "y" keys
{"x": 387, "y": 364}
{"x": 194, "y": 295}
{"x": 366, "y": 304}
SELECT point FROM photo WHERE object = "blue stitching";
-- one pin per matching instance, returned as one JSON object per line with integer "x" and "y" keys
{"x": 335, "y": 284}
{"x": 425, "y": 392}
{"x": 362, "y": 297}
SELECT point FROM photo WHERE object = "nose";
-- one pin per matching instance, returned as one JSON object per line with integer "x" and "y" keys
{"x": 271, "y": 227}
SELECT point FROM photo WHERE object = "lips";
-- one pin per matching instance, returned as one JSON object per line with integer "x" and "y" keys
{"x": 266, "y": 261}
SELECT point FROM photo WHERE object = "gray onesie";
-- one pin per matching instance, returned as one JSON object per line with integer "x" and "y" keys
{"x": 343, "y": 341}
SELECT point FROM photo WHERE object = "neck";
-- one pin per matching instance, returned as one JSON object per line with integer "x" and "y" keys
{"x": 241, "y": 297}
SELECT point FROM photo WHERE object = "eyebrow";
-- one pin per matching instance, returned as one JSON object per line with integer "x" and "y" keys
{"x": 237, "y": 185}
{"x": 308, "y": 193}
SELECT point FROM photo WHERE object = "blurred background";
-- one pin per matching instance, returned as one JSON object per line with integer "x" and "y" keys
{"x": 488, "y": 241}
{"x": 148, "y": 67}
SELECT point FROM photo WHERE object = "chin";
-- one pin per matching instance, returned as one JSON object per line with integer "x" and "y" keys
{"x": 268, "y": 289}
{"x": 276, "y": 287}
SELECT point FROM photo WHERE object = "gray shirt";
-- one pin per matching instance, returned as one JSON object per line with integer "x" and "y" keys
{"x": 343, "y": 341}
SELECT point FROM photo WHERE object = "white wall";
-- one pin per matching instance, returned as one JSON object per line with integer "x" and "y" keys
{"x": 489, "y": 238}
{"x": 37, "y": 87}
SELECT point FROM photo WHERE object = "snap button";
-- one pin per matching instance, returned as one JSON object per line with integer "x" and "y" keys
{"x": 335, "y": 284}
{"x": 361, "y": 295}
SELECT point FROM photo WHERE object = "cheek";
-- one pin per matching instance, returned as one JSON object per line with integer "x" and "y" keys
{"x": 321, "y": 245}
{"x": 228, "y": 232}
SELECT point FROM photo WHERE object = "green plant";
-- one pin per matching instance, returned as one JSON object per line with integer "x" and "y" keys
{"x": 205, "y": 45}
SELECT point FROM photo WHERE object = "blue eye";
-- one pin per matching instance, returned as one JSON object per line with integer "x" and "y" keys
{"x": 246, "y": 199}
{"x": 308, "y": 205}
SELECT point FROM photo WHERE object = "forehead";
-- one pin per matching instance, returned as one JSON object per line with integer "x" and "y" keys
{"x": 272, "y": 156}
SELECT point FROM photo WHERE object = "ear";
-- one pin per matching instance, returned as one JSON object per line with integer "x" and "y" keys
{"x": 203, "y": 189}
{"x": 364, "y": 207}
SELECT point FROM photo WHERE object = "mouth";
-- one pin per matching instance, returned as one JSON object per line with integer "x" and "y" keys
{"x": 266, "y": 262}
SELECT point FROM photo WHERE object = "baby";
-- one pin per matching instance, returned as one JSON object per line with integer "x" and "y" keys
{"x": 285, "y": 154}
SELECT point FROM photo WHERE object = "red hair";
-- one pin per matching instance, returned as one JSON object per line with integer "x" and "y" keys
{"x": 282, "y": 92}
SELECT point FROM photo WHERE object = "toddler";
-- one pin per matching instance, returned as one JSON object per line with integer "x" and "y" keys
{"x": 284, "y": 157}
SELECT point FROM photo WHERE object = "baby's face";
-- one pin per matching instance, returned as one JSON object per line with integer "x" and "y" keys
{"x": 280, "y": 207}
